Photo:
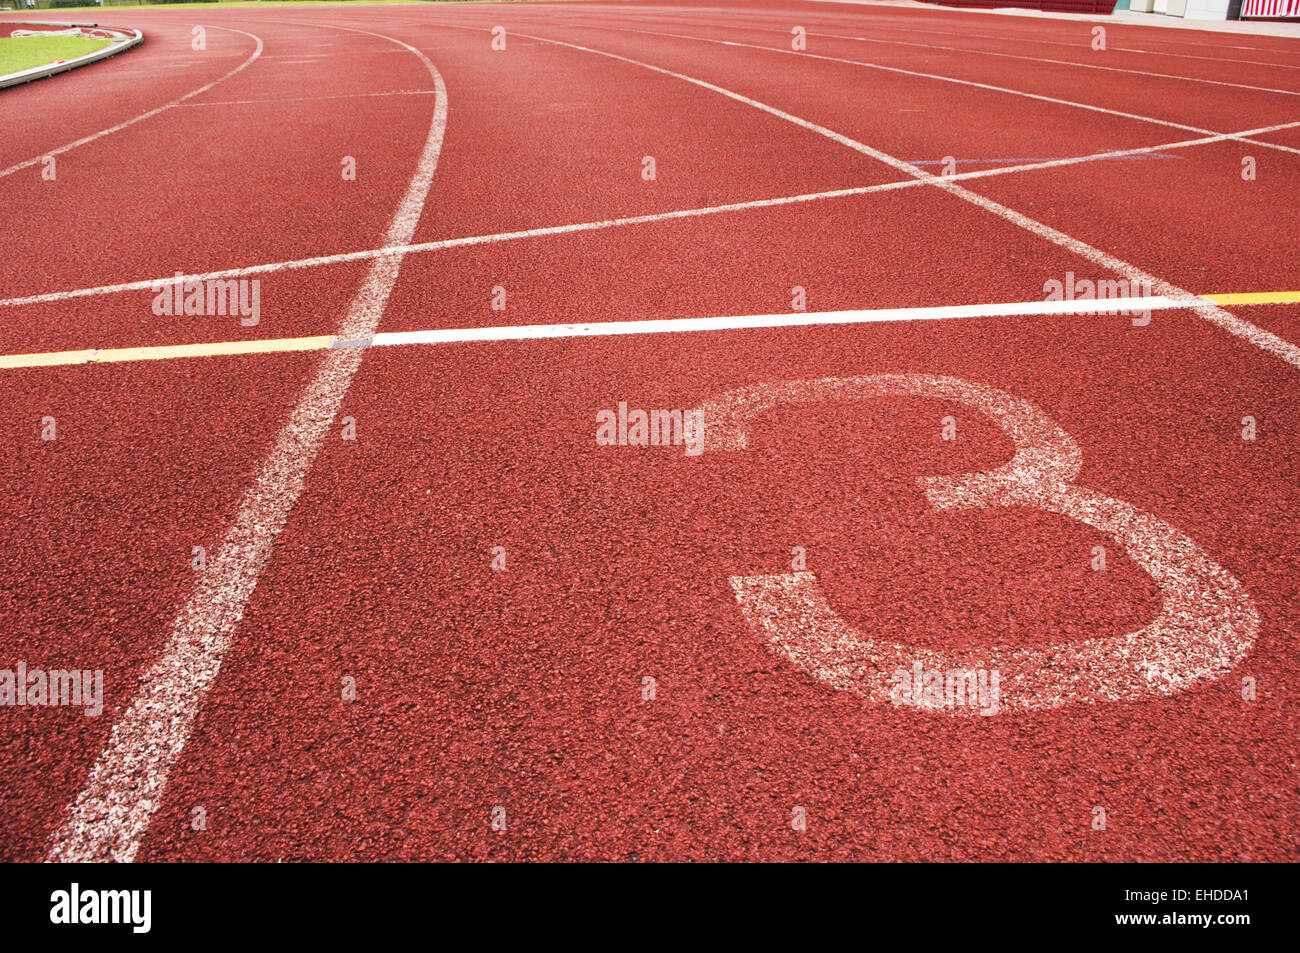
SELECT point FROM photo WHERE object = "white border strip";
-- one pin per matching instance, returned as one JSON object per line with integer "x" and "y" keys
{"x": 792, "y": 319}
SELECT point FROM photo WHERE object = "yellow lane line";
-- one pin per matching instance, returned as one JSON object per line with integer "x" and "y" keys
{"x": 1257, "y": 297}
{"x": 165, "y": 351}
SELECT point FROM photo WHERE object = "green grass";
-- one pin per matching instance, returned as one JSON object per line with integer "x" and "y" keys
{"x": 24, "y": 52}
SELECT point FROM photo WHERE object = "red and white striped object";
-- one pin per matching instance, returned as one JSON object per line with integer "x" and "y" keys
{"x": 1270, "y": 8}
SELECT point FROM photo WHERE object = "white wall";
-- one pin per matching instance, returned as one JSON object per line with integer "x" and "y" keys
{"x": 1207, "y": 10}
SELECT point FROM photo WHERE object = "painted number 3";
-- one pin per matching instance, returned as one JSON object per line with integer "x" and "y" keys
{"x": 1206, "y": 625}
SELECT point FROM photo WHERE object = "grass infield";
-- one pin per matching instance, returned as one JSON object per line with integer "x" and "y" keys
{"x": 24, "y": 52}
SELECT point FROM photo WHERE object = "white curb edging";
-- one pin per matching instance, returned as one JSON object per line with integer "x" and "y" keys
{"x": 41, "y": 72}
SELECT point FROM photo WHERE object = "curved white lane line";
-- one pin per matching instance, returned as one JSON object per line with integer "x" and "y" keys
{"x": 763, "y": 25}
{"x": 1207, "y": 620}
{"x": 950, "y": 79}
{"x": 755, "y": 16}
{"x": 112, "y": 813}
{"x": 1043, "y": 59}
{"x": 143, "y": 116}
{"x": 1265, "y": 340}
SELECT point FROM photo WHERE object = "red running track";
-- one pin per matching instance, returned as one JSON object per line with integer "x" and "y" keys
{"x": 525, "y": 688}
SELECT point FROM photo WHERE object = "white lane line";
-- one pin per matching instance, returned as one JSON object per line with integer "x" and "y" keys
{"x": 1121, "y": 49}
{"x": 1083, "y": 41}
{"x": 441, "y": 244}
{"x": 304, "y": 99}
{"x": 762, "y": 26}
{"x": 143, "y": 116}
{"x": 1006, "y": 160}
{"x": 319, "y": 261}
{"x": 1216, "y": 59}
{"x": 1265, "y": 340}
{"x": 1043, "y": 59}
{"x": 125, "y": 787}
{"x": 326, "y": 56}
{"x": 785, "y": 18}
{"x": 1133, "y": 307}
{"x": 952, "y": 79}
{"x": 792, "y": 319}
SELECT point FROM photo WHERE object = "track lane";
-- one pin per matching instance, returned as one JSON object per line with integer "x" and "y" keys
{"x": 97, "y": 537}
{"x": 119, "y": 94}
{"x": 567, "y": 142}
{"x": 524, "y": 691}
{"x": 117, "y": 505}
{"x": 1049, "y": 39}
{"x": 1132, "y": 215}
{"x": 1098, "y": 257}
{"x": 465, "y": 720}
{"x": 229, "y": 198}
{"x": 522, "y": 688}
{"x": 125, "y": 785}
{"x": 1050, "y": 83}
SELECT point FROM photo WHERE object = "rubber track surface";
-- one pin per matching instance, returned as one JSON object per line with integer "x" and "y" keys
{"x": 606, "y": 690}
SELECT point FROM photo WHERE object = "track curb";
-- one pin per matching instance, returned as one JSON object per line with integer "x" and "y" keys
{"x": 41, "y": 72}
